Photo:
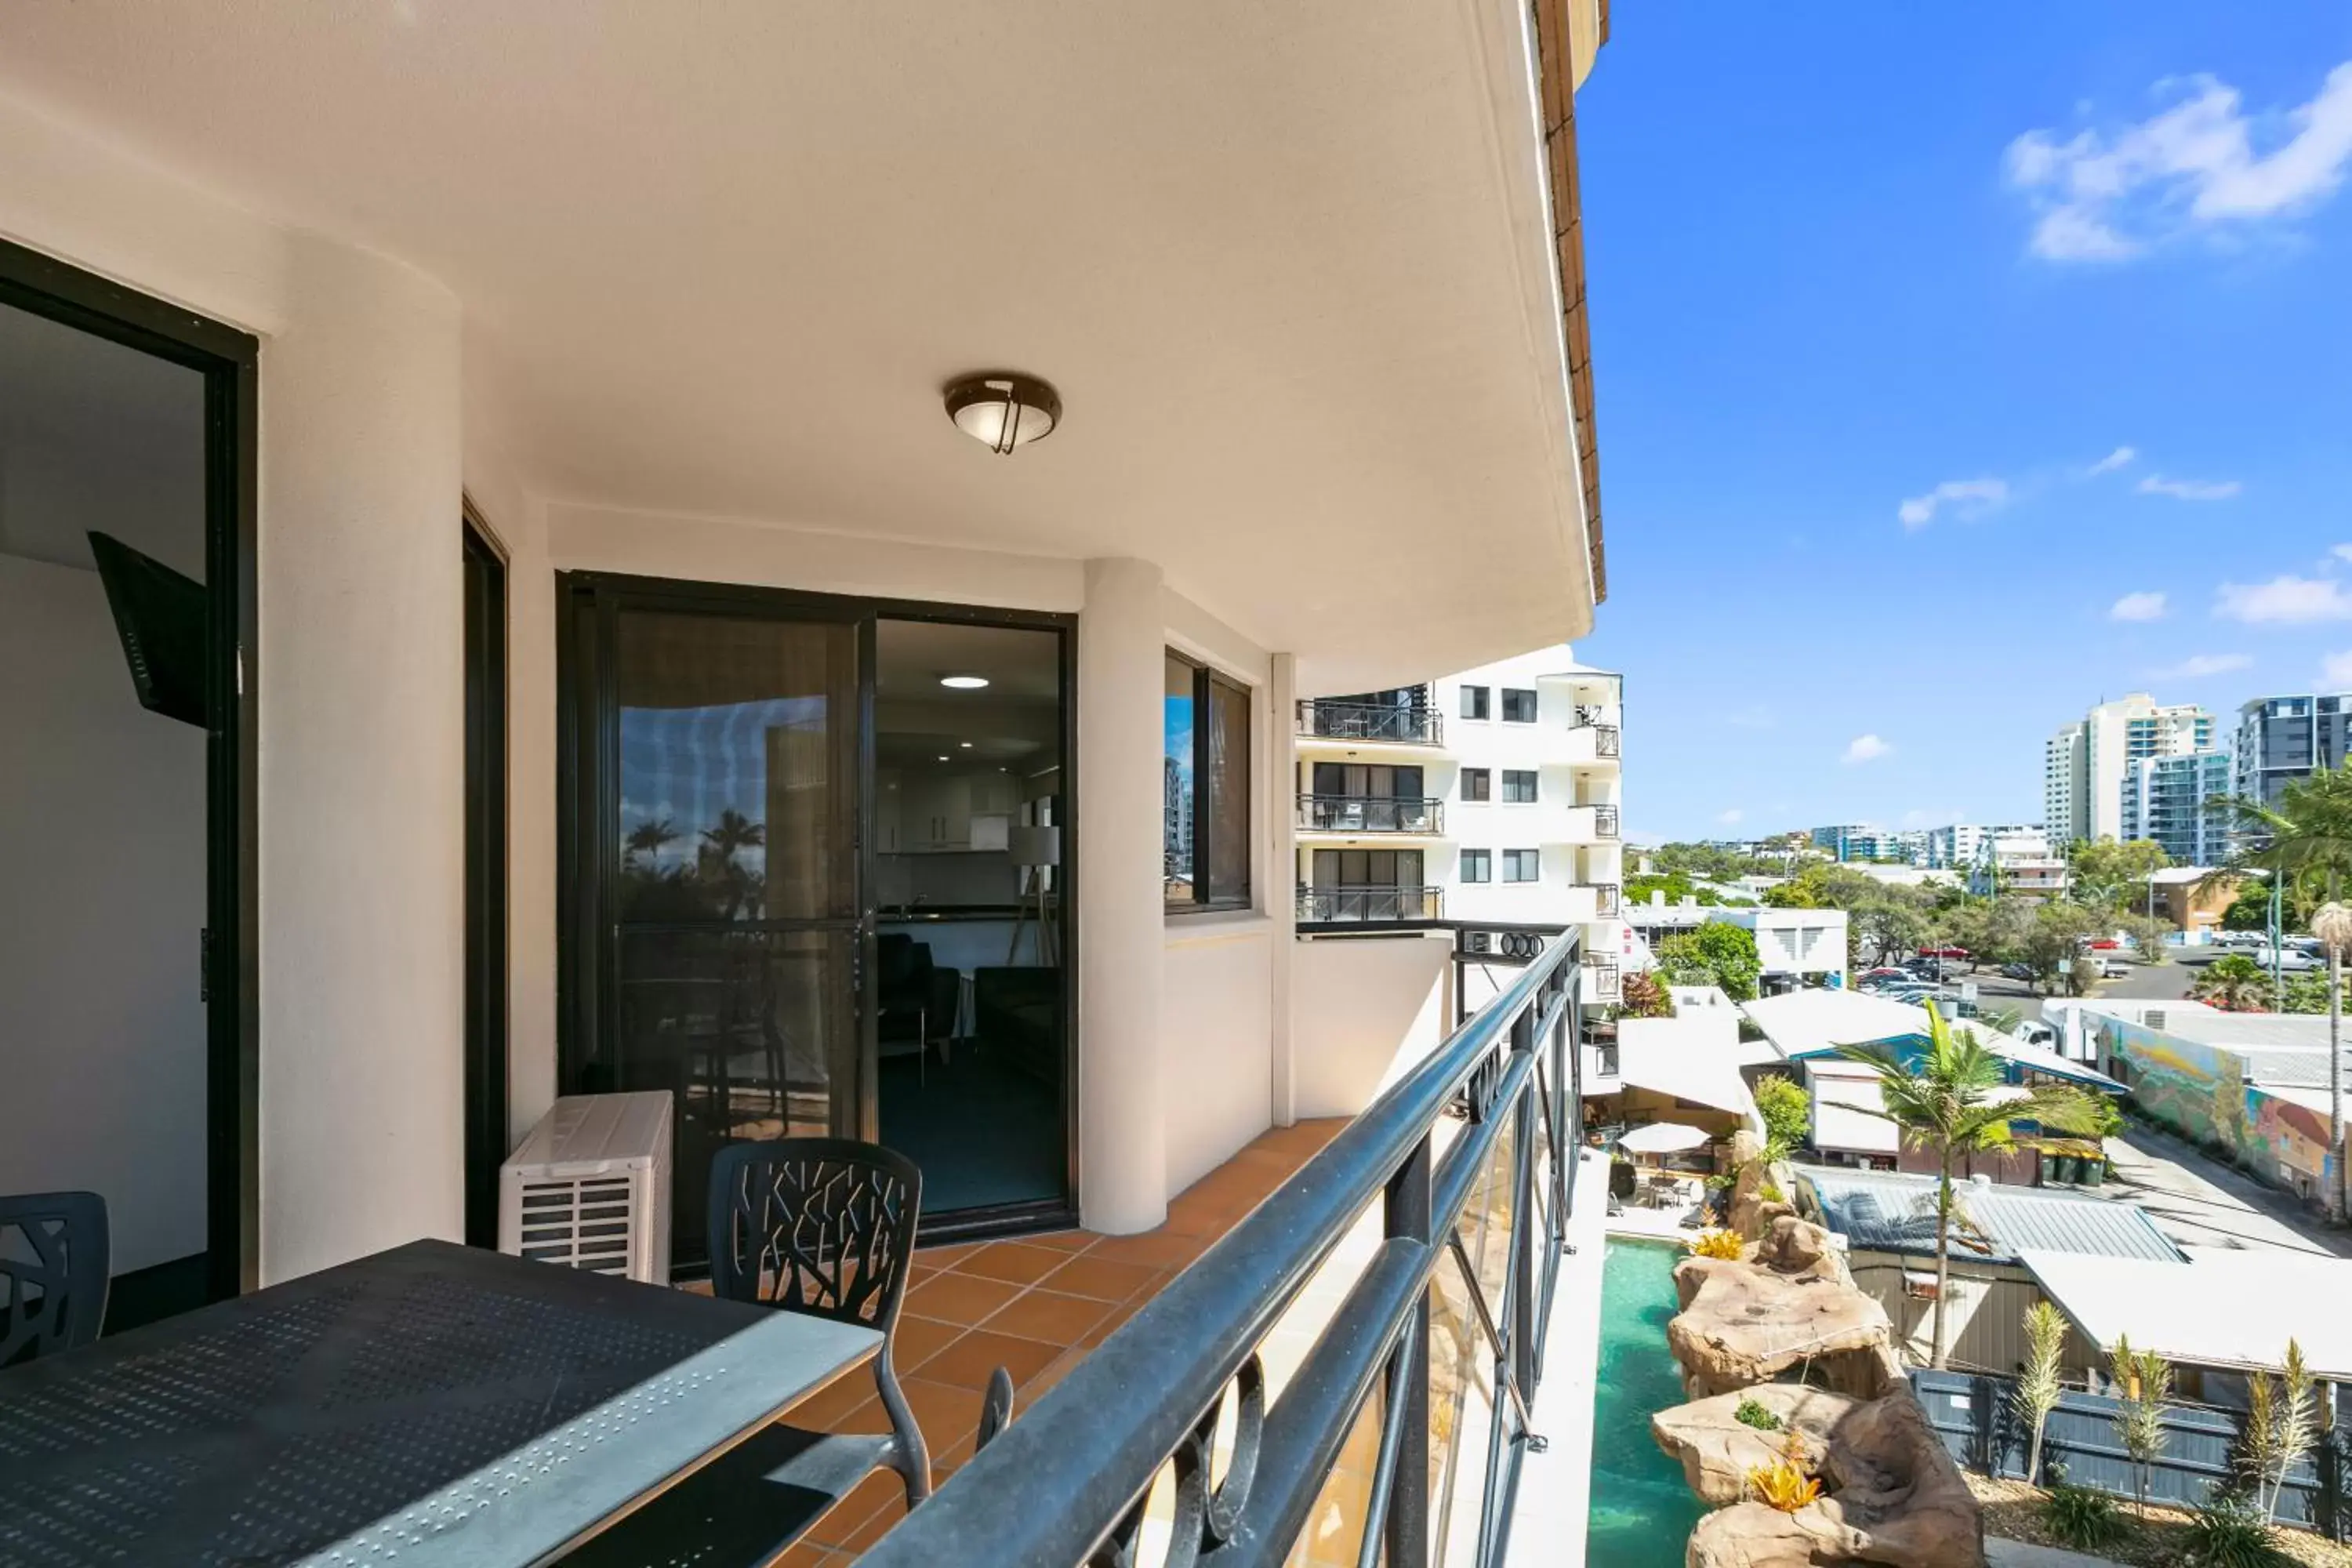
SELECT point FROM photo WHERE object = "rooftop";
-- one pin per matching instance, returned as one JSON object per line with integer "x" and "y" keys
{"x": 1888, "y": 1211}
{"x": 2220, "y": 1307}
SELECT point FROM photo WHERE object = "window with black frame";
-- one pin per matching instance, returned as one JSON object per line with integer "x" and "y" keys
{"x": 1522, "y": 865}
{"x": 1518, "y": 785}
{"x": 1518, "y": 706}
{"x": 1205, "y": 811}
{"x": 1477, "y": 784}
{"x": 1474, "y": 701}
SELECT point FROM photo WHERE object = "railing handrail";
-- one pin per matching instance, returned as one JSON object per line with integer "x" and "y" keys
{"x": 1307, "y": 796}
{"x": 1368, "y": 721}
{"x": 1057, "y": 1483}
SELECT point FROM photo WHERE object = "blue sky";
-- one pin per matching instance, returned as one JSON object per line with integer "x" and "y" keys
{"x": 1958, "y": 367}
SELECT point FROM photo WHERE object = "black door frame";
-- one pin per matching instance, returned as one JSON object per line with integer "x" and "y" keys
{"x": 229, "y": 361}
{"x": 583, "y": 700}
{"x": 487, "y": 840}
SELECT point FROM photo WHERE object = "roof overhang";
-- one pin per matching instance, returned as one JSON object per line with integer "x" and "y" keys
{"x": 1296, "y": 270}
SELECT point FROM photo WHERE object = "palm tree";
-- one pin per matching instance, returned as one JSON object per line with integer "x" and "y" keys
{"x": 2305, "y": 843}
{"x": 648, "y": 837}
{"x": 733, "y": 832}
{"x": 1941, "y": 1101}
{"x": 2233, "y": 982}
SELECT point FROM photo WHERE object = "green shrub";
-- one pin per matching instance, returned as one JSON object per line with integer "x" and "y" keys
{"x": 2083, "y": 1518}
{"x": 1752, "y": 1413}
{"x": 2230, "y": 1531}
{"x": 1771, "y": 1193}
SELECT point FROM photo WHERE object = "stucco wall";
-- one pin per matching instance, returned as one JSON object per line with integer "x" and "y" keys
{"x": 1365, "y": 1009}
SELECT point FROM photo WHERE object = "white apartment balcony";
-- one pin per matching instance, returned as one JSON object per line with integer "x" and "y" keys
{"x": 1591, "y": 825}
{"x": 1589, "y": 903}
{"x": 1594, "y": 738}
{"x": 1337, "y": 819}
{"x": 618, "y": 434}
{"x": 1369, "y": 732}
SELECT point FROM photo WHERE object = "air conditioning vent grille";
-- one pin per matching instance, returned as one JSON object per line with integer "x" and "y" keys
{"x": 590, "y": 1187}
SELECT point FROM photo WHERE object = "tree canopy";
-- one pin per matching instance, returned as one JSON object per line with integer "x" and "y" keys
{"x": 1717, "y": 954}
{"x": 2106, "y": 874}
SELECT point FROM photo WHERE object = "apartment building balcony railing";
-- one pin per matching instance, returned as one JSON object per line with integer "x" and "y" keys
{"x": 1602, "y": 980}
{"x": 1336, "y": 905}
{"x": 1371, "y": 722}
{"x": 1607, "y": 897}
{"x": 1438, "y": 1342}
{"x": 1592, "y": 823}
{"x": 1370, "y": 814}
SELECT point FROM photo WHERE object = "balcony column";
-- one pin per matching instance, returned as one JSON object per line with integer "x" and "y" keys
{"x": 1279, "y": 876}
{"x": 1120, "y": 799}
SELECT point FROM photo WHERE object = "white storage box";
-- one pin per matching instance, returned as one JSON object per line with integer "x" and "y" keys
{"x": 589, "y": 1187}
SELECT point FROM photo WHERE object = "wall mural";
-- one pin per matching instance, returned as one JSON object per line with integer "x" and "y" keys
{"x": 2200, "y": 1092}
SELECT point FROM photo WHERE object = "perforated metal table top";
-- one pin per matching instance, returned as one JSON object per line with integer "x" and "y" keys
{"x": 432, "y": 1406}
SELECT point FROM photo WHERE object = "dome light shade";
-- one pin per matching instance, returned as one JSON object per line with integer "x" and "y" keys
{"x": 1003, "y": 408}
{"x": 964, "y": 682}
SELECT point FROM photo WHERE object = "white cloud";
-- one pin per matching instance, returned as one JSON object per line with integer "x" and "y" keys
{"x": 2336, "y": 671}
{"x": 1731, "y": 818}
{"x": 2120, "y": 458}
{"x": 1866, "y": 748}
{"x": 1968, "y": 499}
{"x": 2138, "y": 607}
{"x": 2188, "y": 490}
{"x": 2190, "y": 168}
{"x": 2283, "y": 601}
{"x": 2342, "y": 552}
{"x": 2197, "y": 665}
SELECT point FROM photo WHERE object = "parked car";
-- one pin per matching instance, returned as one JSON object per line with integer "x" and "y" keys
{"x": 2112, "y": 969}
{"x": 2035, "y": 1032}
{"x": 2292, "y": 961}
{"x": 1961, "y": 954}
{"x": 2018, "y": 970}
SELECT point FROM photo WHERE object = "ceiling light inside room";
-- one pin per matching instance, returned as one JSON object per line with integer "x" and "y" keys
{"x": 1003, "y": 408}
{"x": 964, "y": 682}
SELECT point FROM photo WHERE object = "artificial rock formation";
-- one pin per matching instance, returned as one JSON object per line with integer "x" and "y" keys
{"x": 1749, "y": 1211}
{"x": 1715, "y": 1450}
{"x": 1746, "y": 1323}
{"x": 1895, "y": 1498}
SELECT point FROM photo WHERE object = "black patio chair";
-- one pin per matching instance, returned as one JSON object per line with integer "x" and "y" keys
{"x": 53, "y": 1272}
{"x": 824, "y": 1226}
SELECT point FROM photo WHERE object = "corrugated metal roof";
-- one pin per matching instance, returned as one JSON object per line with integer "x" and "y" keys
{"x": 2288, "y": 1068}
{"x": 1889, "y": 1211}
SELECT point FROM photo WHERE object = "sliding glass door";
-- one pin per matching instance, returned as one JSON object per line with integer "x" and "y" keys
{"x": 721, "y": 933}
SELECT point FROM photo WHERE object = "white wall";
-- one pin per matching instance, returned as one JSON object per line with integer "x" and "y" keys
{"x": 101, "y": 896}
{"x": 357, "y": 680}
{"x": 1364, "y": 1010}
{"x": 1215, "y": 1040}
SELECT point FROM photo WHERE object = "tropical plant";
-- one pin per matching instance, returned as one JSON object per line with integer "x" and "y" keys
{"x": 2230, "y": 1531}
{"x": 1940, "y": 1100}
{"x": 1717, "y": 954}
{"x": 2304, "y": 842}
{"x": 2081, "y": 1517}
{"x": 2233, "y": 982}
{"x": 649, "y": 838}
{"x": 1787, "y": 1110}
{"x": 1643, "y": 995}
{"x": 1754, "y": 1413}
{"x": 2051, "y": 940}
{"x": 2143, "y": 1385}
{"x": 2105, "y": 875}
{"x": 2150, "y": 937}
{"x": 2280, "y": 1426}
{"x": 1717, "y": 1243}
{"x": 1783, "y": 1484}
{"x": 2039, "y": 1385}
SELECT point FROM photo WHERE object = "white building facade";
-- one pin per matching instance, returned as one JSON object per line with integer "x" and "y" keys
{"x": 2083, "y": 762}
{"x": 2175, "y": 801}
{"x": 1494, "y": 794}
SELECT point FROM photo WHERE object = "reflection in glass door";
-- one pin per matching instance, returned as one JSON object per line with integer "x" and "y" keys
{"x": 726, "y": 908}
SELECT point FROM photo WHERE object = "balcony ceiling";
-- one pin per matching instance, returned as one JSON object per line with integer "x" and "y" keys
{"x": 1288, "y": 264}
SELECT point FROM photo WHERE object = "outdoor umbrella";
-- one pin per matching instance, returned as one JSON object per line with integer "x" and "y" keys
{"x": 1661, "y": 1138}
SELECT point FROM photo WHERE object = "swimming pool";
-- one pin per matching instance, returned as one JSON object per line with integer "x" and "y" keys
{"x": 1640, "y": 1513}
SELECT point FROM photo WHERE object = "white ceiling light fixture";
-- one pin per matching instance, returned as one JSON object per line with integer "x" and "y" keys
{"x": 1003, "y": 408}
{"x": 964, "y": 682}
{"x": 965, "y": 744}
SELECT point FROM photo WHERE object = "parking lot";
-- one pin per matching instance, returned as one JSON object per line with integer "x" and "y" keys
{"x": 2150, "y": 981}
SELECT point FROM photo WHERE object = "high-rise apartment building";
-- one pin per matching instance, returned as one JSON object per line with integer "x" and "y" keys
{"x": 2083, "y": 762}
{"x": 2171, "y": 800}
{"x": 2283, "y": 738}
{"x": 1966, "y": 844}
{"x": 1489, "y": 795}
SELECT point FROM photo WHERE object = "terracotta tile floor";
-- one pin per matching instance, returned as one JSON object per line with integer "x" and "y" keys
{"x": 1036, "y": 1306}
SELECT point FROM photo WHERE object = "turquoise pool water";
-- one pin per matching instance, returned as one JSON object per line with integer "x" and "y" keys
{"x": 1642, "y": 1514}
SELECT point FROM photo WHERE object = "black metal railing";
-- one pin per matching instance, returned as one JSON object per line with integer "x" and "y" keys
{"x": 1606, "y": 741}
{"x": 1601, "y": 981}
{"x": 1370, "y": 814}
{"x": 1371, "y": 722}
{"x": 1604, "y": 821}
{"x": 1439, "y": 1341}
{"x": 1606, "y": 897}
{"x": 1330, "y": 906}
